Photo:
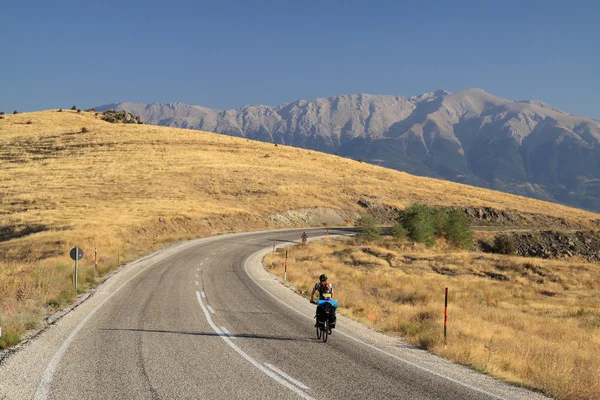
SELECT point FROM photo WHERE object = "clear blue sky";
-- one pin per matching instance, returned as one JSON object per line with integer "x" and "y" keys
{"x": 226, "y": 54}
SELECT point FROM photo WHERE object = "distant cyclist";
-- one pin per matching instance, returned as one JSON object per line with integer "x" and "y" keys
{"x": 325, "y": 290}
{"x": 304, "y": 237}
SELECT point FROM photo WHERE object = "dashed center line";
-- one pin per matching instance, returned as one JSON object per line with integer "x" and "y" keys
{"x": 197, "y": 284}
{"x": 210, "y": 309}
{"x": 203, "y": 294}
{"x": 251, "y": 360}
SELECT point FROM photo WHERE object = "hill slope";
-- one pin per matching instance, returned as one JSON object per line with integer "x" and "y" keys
{"x": 528, "y": 147}
{"x": 130, "y": 189}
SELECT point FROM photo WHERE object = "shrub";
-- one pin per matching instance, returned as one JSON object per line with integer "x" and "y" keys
{"x": 84, "y": 130}
{"x": 60, "y": 110}
{"x": 78, "y": 110}
{"x": 419, "y": 222}
{"x": 9, "y": 339}
{"x": 503, "y": 245}
{"x": 29, "y": 122}
{"x": 15, "y": 112}
{"x": 74, "y": 108}
{"x": 399, "y": 232}
{"x": 457, "y": 231}
{"x": 367, "y": 228}
{"x": 1, "y": 112}
{"x": 90, "y": 110}
{"x": 360, "y": 160}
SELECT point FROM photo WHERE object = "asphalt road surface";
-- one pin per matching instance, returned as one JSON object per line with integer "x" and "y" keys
{"x": 203, "y": 320}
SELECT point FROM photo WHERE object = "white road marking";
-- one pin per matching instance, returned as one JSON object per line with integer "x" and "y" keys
{"x": 370, "y": 345}
{"x": 227, "y": 332}
{"x": 197, "y": 284}
{"x": 196, "y": 275}
{"x": 201, "y": 264}
{"x": 286, "y": 376}
{"x": 210, "y": 309}
{"x": 246, "y": 356}
{"x": 203, "y": 294}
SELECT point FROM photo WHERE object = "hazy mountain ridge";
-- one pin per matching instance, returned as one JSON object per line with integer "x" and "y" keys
{"x": 524, "y": 147}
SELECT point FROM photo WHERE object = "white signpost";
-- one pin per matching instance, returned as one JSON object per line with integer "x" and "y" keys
{"x": 76, "y": 255}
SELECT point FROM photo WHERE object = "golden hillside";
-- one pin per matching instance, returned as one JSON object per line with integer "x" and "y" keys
{"x": 130, "y": 189}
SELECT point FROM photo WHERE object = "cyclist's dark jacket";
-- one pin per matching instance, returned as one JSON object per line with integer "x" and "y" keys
{"x": 318, "y": 287}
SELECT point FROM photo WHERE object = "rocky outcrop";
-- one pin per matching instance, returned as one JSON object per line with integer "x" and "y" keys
{"x": 121, "y": 117}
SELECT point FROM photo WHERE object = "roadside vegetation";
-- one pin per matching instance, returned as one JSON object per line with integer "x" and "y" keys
{"x": 528, "y": 321}
{"x": 131, "y": 189}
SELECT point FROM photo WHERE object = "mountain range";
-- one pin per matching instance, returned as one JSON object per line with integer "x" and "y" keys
{"x": 522, "y": 147}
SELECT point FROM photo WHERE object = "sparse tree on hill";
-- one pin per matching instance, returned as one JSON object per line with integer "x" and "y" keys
{"x": 457, "y": 231}
{"x": 419, "y": 221}
{"x": 15, "y": 112}
{"x": 74, "y": 108}
{"x": 367, "y": 227}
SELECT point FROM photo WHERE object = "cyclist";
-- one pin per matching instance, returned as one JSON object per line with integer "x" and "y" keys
{"x": 325, "y": 290}
{"x": 304, "y": 237}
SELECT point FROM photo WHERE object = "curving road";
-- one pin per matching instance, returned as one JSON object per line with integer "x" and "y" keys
{"x": 203, "y": 320}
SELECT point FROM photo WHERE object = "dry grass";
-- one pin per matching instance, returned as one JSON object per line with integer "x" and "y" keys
{"x": 528, "y": 321}
{"x": 108, "y": 187}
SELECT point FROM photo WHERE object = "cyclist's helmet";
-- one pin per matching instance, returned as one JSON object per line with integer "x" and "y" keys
{"x": 323, "y": 277}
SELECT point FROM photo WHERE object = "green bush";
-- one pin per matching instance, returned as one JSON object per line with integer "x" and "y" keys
{"x": 1, "y": 112}
{"x": 457, "y": 231}
{"x": 503, "y": 245}
{"x": 424, "y": 224}
{"x": 419, "y": 222}
{"x": 15, "y": 112}
{"x": 399, "y": 232}
{"x": 74, "y": 108}
{"x": 60, "y": 110}
{"x": 367, "y": 228}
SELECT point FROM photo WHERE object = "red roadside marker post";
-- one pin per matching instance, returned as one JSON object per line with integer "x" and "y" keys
{"x": 445, "y": 317}
{"x": 285, "y": 267}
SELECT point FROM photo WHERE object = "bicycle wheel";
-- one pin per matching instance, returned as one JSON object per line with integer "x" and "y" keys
{"x": 325, "y": 332}
{"x": 318, "y": 331}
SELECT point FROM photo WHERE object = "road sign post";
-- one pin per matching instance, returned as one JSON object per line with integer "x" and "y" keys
{"x": 76, "y": 255}
{"x": 95, "y": 260}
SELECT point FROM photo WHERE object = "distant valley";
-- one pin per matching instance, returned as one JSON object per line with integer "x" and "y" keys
{"x": 522, "y": 147}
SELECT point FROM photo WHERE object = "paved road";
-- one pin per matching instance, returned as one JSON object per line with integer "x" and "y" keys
{"x": 206, "y": 322}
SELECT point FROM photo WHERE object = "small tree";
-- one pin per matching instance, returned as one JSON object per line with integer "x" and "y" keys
{"x": 74, "y": 108}
{"x": 367, "y": 228}
{"x": 1, "y": 112}
{"x": 457, "y": 230}
{"x": 60, "y": 110}
{"x": 84, "y": 130}
{"x": 418, "y": 220}
{"x": 15, "y": 112}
